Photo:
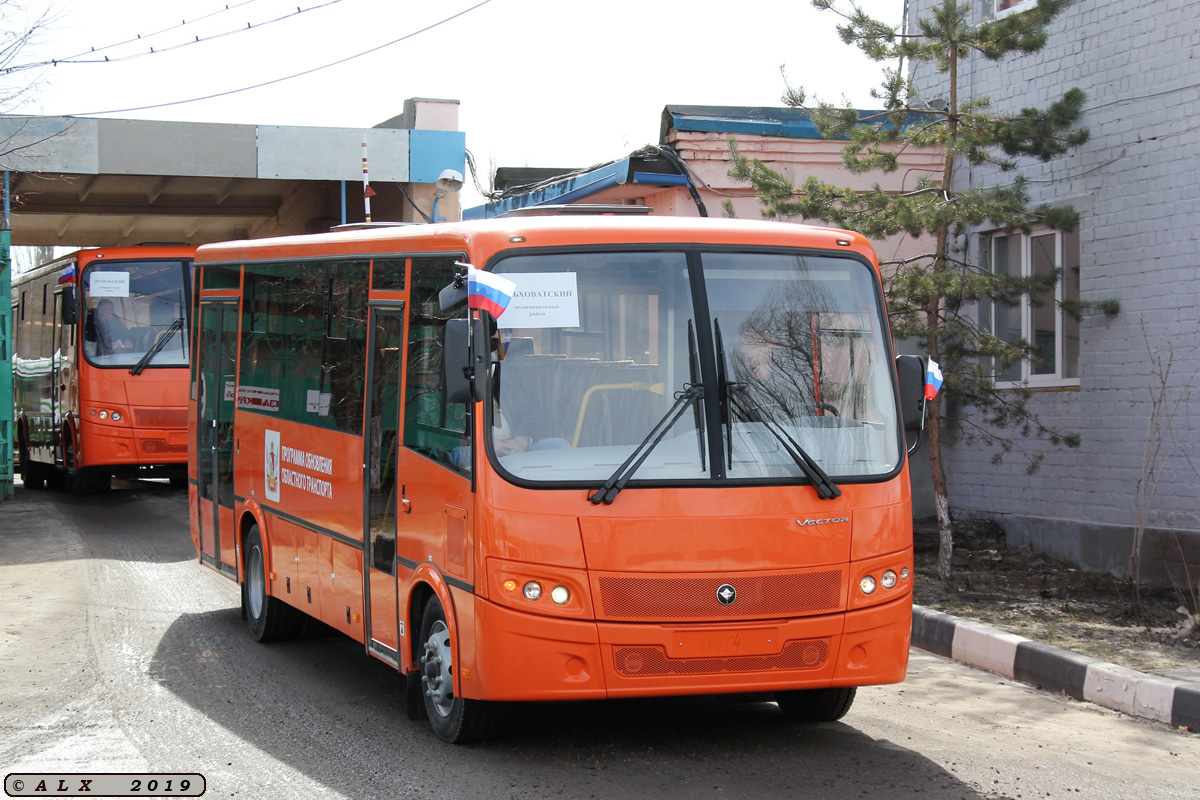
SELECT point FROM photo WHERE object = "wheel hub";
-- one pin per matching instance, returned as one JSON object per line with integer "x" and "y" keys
{"x": 436, "y": 678}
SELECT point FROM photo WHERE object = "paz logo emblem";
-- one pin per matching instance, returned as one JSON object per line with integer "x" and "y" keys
{"x": 726, "y": 594}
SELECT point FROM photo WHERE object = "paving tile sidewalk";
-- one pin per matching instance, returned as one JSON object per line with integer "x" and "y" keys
{"x": 1171, "y": 696}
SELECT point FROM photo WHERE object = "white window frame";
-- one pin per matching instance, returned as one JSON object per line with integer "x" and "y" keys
{"x": 1000, "y": 13}
{"x": 1025, "y": 251}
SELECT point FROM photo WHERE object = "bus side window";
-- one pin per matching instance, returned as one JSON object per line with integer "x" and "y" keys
{"x": 432, "y": 426}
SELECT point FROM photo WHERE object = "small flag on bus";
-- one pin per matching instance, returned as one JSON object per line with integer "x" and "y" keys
{"x": 933, "y": 379}
{"x": 488, "y": 291}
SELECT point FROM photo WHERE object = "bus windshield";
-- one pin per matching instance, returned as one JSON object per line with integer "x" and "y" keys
{"x": 790, "y": 355}
{"x": 134, "y": 313}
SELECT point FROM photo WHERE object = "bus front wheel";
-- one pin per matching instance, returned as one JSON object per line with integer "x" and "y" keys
{"x": 816, "y": 705}
{"x": 454, "y": 719}
{"x": 268, "y": 617}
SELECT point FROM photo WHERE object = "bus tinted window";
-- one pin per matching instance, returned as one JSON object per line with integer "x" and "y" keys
{"x": 432, "y": 426}
{"x": 388, "y": 274}
{"x": 305, "y": 330}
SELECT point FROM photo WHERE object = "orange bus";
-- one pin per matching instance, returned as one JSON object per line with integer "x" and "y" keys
{"x": 100, "y": 366}
{"x": 673, "y": 464}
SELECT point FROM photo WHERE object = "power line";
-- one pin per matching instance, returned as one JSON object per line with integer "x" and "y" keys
{"x": 288, "y": 77}
{"x": 78, "y": 59}
{"x": 140, "y": 37}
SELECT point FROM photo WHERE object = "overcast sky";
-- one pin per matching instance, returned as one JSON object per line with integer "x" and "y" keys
{"x": 549, "y": 83}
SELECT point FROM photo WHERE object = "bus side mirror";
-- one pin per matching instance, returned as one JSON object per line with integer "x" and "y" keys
{"x": 910, "y": 371}
{"x": 452, "y": 295}
{"x": 464, "y": 360}
{"x": 69, "y": 315}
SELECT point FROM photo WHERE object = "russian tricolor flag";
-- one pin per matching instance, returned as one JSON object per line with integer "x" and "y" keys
{"x": 933, "y": 379}
{"x": 488, "y": 291}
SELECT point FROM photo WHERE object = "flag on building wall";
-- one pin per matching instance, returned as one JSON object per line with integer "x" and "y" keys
{"x": 933, "y": 379}
{"x": 488, "y": 291}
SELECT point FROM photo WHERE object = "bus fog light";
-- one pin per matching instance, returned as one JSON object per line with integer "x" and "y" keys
{"x": 103, "y": 415}
{"x": 533, "y": 590}
{"x": 888, "y": 580}
{"x": 560, "y": 595}
{"x": 904, "y": 574}
{"x": 867, "y": 584}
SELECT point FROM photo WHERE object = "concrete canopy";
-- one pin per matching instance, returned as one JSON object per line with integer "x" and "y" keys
{"x": 112, "y": 182}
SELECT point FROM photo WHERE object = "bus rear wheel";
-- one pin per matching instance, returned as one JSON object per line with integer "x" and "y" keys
{"x": 33, "y": 474}
{"x": 454, "y": 719}
{"x": 269, "y": 618}
{"x": 816, "y": 705}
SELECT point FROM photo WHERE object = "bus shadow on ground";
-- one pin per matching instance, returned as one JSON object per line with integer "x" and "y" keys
{"x": 308, "y": 702}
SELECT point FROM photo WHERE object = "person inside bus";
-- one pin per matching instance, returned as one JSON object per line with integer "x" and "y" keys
{"x": 107, "y": 330}
{"x": 506, "y": 440}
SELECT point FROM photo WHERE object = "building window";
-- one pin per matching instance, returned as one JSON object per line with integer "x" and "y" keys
{"x": 1052, "y": 332}
{"x": 1003, "y": 8}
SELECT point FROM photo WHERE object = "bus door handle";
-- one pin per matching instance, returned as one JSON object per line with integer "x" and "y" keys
{"x": 405, "y": 503}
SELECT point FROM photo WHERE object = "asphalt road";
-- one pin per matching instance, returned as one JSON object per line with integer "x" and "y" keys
{"x": 118, "y": 653}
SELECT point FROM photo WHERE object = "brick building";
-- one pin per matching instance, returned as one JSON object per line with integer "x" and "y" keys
{"x": 1134, "y": 184}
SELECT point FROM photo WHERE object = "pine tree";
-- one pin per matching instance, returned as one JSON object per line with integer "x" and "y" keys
{"x": 933, "y": 297}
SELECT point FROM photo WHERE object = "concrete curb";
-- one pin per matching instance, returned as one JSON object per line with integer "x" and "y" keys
{"x": 1089, "y": 679}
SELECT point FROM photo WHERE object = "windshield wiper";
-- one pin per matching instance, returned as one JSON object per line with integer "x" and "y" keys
{"x": 177, "y": 325}
{"x": 616, "y": 482}
{"x": 826, "y": 488}
{"x": 723, "y": 400}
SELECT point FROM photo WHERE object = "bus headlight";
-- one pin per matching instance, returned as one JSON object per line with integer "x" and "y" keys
{"x": 888, "y": 579}
{"x": 532, "y": 590}
{"x": 116, "y": 416}
{"x": 867, "y": 584}
{"x": 560, "y": 595}
{"x": 103, "y": 415}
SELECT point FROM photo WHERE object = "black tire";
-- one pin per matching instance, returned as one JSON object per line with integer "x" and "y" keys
{"x": 454, "y": 719}
{"x": 269, "y": 618}
{"x": 33, "y": 474}
{"x": 816, "y": 705}
{"x": 82, "y": 480}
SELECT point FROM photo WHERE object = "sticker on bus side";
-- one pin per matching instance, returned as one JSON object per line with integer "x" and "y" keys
{"x": 271, "y": 452}
{"x": 258, "y": 397}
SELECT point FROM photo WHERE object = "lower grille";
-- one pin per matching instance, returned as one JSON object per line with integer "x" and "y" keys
{"x": 160, "y": 417}
{"x": 637, "y": 662}
{"x": 695, "y": 598}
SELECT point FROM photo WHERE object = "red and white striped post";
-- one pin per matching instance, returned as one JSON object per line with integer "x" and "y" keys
{"x": 368, "y": 192}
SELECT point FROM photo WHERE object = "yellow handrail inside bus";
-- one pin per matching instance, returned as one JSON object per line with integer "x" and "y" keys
{"x": 657, "y": 388}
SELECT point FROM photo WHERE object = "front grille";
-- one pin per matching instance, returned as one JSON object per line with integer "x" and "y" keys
{"x": 665, "y": 599}
{"x": 160, "y": 417}
{"x": 637, "y": 662}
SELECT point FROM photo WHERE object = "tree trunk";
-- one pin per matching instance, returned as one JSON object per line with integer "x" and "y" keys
{"x": 941, "y": 496}
{"x": 933, "y": 318}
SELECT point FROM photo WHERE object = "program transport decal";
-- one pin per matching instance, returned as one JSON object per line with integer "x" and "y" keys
{"x": 271, "y": 465}
{"x": 292, "y": 466}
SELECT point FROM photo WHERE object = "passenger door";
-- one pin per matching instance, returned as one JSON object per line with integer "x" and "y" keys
{"x": 381, "y": 445}
{"x": 434, "y": 465}
{"x": 216, "y": 399}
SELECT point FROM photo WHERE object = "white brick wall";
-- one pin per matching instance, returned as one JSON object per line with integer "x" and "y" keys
{"x": 1137, "y": 184}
